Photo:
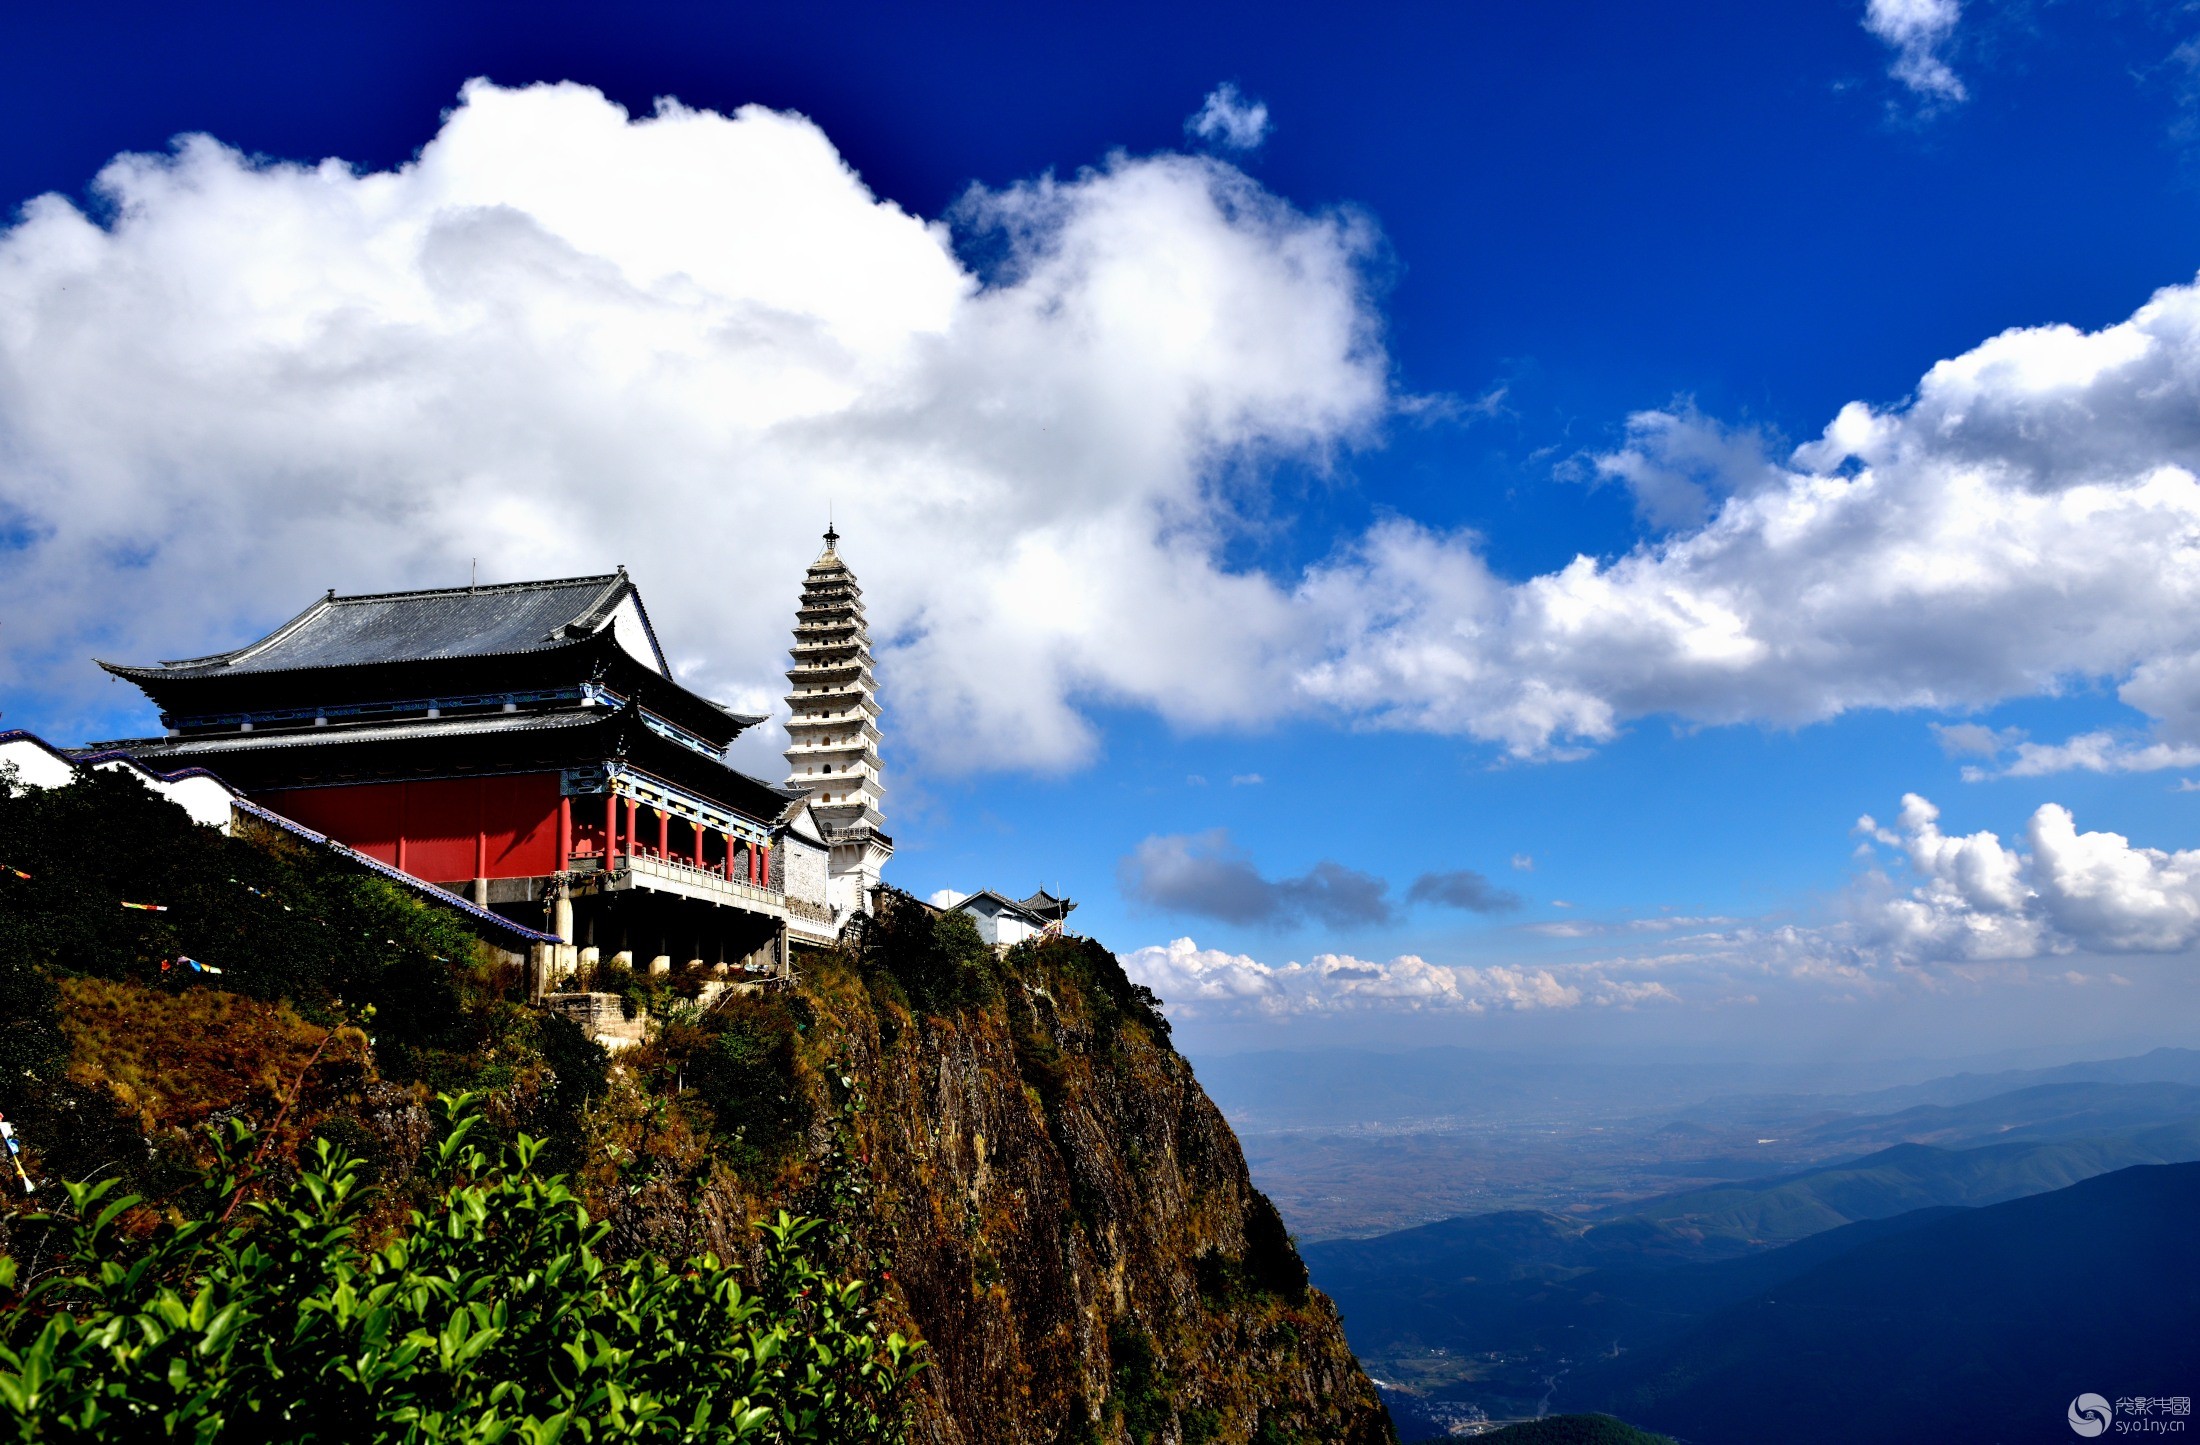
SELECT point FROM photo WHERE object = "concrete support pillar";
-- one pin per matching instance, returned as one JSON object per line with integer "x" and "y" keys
{"x": 563, "y": 913}
{"x": 624, "y": 958}
{"x": 662, "y": 963}
{"x": 538, "y": 972}
{"x": 481, "y": 890}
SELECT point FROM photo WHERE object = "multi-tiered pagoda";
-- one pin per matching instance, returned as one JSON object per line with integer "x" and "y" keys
{"x": 833, "y": 735}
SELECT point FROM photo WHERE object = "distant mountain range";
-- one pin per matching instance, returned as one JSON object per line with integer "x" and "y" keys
{"x": 2162, "y": 1066}
{"x": 1487, "y": 1311}
{"x": 1894, "y": 1180}
{"x": 1353, "y": 1088}
{"x": 1975, "y": 1325}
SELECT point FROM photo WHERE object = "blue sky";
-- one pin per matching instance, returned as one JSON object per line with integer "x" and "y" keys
{"x": 1463, "y": 248}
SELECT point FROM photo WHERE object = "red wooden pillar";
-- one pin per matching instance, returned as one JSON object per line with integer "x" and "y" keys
{"x": 565, "y": 833}
{"x": 729, "y": 857}
{"x": 698, "y": 829}
{"x": 481, "y": 852}
{"x": 633, "y": 832}
{"x": 664, "y": 832}
{"x": 764, "y": 866}
{"x": 610, "y": 828}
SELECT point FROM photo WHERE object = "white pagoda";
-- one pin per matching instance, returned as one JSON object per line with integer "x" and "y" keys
{"x": 833, "y": 736}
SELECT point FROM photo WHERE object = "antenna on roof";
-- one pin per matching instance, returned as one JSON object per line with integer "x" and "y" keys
{"x": 473, "y": 573}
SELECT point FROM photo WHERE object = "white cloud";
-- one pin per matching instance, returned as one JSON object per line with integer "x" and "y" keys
{"x": 562, "y": 338}
{"x": 2028, "y": 519}
{"x": 1979, "y": 899}
{"x": 1917, "y": 30}
{"x": 947, "y": 897}
{"x": 1229, "y": 118}
{"x": 1678, "y": 464}
{"x": 1961, "y": 740}
{"x": 2094, "y": 752}
{"x": 1203, "y": 982}
{"x": 1523, "y": 863}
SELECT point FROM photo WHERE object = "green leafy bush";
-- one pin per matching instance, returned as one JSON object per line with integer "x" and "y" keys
{"x": 938, "y": 959}
{"x": 739, "y": 1058}
{"x": 490, "y": 1318}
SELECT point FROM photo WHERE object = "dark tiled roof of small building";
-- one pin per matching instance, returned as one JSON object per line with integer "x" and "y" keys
{"x": 444, "y": 622}
{"x": 1047, "y": 905}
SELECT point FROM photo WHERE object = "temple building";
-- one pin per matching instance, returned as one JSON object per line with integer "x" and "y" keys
{"x": 1005, "y": 922}
{"x": 527, "y": 747}
{"x": 833, "y": 736}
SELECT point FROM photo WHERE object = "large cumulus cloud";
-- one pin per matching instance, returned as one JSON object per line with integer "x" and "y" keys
{"x": 564, "y": 337}
{"x": 1978, "y": 898}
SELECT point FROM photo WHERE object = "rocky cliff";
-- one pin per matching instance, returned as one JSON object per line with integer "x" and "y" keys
{"x": 1071, "y": 1223}
{"x": 1010, "y": 1146}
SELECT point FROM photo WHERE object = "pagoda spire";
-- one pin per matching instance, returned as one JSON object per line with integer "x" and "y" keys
{"x": 833, "y": 734}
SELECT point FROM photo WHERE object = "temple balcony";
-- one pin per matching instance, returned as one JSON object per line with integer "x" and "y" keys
{"x": 678, "y": 877}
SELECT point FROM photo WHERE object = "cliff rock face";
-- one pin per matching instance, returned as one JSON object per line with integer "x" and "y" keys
{"x": 1010, "y": 1145}
{"x": 1069, "y": 1221}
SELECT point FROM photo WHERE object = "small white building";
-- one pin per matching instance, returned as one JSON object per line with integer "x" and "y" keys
{"x": 1005, "y": 922}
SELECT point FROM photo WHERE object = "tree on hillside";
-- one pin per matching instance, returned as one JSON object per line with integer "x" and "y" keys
{"x": 490, "y": 1318}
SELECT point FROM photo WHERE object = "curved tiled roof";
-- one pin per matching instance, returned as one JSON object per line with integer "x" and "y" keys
{"x": 447, "y": 622}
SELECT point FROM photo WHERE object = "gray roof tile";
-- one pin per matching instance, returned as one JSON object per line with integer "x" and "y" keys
{"x": 407, "y": 626}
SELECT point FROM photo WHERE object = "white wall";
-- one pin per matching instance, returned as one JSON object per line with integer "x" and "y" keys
{"x": 35, "y": 766}
{"x": 805, "y": 868}
{"x": 205, "y": 799}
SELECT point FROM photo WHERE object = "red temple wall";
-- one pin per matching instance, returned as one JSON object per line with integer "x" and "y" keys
{"x": 515, "y": 816}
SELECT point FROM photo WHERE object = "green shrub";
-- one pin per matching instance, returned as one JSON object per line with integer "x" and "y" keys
{"x": 740, "y": 1059}
{"x": 938, "y": 959}
{"x": 491, "y": 1318}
